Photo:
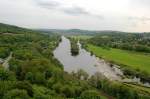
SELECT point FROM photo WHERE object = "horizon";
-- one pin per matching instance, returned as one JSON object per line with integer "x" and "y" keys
{"x": 71, "y": 29}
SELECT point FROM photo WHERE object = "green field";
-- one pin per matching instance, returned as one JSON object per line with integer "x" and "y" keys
{"x": 133, "y": 59}
{"x": 84, "y": 37}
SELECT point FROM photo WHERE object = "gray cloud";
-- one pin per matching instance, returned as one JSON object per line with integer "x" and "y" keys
{"x": 48, "y": 4}
{"x": 73, "y": 10}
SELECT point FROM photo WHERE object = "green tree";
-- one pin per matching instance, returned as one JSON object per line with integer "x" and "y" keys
{"x": 16, "y": 94}
{"x": 30, "y": 77}
{"x": 68, "y": 91}
{"x": 39, "y": 78}
{"x": 25, "y": 86}
{"x": 90, "y": 94}
{"x": 4, "y": 74}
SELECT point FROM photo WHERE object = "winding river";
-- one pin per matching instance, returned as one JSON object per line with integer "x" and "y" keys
{"x": 84, "y": 61}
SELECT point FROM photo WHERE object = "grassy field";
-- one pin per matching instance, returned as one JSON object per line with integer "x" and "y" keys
{"x": 134, "y": 59}
{"x": 82, "y": 37}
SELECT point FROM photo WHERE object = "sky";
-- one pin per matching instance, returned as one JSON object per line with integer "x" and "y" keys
{"x": 120, "y": 15}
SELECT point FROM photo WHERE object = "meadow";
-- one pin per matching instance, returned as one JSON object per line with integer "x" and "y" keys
{"x": 83, "y": 37}
{"x": 135, "y": 60}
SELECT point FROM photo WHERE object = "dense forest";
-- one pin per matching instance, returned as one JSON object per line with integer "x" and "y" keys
{"x": 34, "y": 73}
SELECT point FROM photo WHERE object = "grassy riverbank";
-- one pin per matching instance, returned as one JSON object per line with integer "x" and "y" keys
{"x": 133, "y": 59}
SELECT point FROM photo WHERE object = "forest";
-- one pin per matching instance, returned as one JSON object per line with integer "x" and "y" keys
{"x": 127, "y": 41}
{"x": 34, "y": 72}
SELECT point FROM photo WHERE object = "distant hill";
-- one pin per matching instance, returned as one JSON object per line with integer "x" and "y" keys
{"x": 5, "y": 28}
{"x": 77, "y": 31}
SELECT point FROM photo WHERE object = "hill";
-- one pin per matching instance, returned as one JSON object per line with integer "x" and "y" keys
{"x": 76, "y": 31}
{"x": 5, "y": 28}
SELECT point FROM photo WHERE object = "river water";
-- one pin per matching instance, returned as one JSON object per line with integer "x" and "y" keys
{"x": 84, "y": 61}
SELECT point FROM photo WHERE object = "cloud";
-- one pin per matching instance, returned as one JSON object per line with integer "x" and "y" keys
{"x": 75, "y": 11}
{"x": 48, "y": 4}
{"x": 143, "y": 19}
{"x": 72, "y": 10}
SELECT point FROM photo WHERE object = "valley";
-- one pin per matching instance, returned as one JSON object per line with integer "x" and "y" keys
{"x": 38, "y": 65}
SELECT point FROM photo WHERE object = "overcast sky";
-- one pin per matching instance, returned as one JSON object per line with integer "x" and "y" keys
{"x": 122, "y": 15}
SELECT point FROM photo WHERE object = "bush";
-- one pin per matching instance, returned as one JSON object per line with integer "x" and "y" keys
{"x": 68, "y": 91}
{"x": 25, "y": 86}
{"x": 4, "y": 52}
{"x": 90, "y": 94}
{"x": 30, "y": 77}
{"x": 16, "y": 94}
{"x": 6, "y": 75}
{"x": 39, "y": 78}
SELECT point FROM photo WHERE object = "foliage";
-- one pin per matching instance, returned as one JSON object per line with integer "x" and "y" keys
{"x": 16, "y": 94}
{"x": 74, "y": 46}
{"x": 114, "y": 88}
{"x": 128, "y": 41}
{"x": 91, "y": 94}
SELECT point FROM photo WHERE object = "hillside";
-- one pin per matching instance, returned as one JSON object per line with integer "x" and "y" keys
{"x": 89, "y": 32}
{"x": 6, "y": 28}
{"x": 76, "y": 31}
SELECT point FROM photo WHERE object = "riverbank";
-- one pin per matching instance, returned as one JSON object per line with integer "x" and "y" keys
{"x": 131, "y": 63}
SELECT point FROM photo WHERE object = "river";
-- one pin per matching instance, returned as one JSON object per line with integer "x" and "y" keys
{"x": 85, "y": 61}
